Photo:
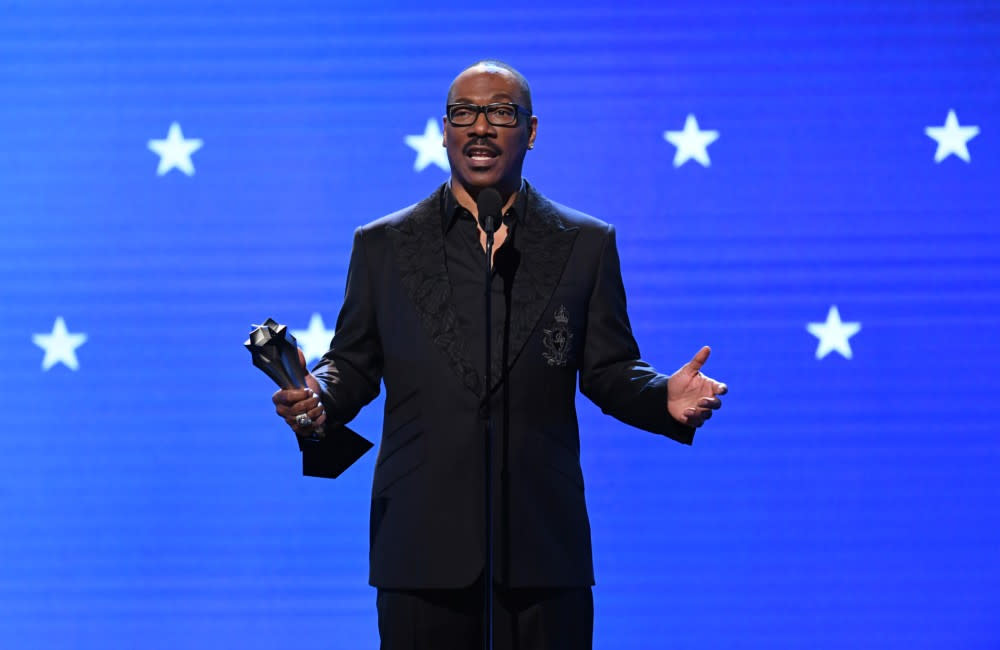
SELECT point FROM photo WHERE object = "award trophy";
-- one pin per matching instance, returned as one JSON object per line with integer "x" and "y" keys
{"x": 274, "y": 350}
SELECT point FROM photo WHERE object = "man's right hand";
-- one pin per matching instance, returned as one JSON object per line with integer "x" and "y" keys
{"x": 290, "y": 403}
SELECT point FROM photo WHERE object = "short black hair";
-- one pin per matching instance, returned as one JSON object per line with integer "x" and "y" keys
{"x": 496, "y": 63}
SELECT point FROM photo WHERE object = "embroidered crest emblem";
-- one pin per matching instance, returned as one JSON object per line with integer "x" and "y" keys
{"x": 557, "y": 339}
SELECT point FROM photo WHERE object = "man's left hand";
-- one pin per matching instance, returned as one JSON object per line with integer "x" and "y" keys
{"x": 691, "y": 396}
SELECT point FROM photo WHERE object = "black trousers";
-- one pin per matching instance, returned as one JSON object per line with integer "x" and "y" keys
{"x": 451, "y": 619}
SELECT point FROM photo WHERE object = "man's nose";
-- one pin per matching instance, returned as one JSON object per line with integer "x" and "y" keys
{"x": 481, "y": 126}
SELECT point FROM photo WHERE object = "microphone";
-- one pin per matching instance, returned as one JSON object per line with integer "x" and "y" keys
{"x": 488, "y": 205}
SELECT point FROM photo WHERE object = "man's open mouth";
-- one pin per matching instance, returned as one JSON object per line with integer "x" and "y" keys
{"x": 481, "y": 154}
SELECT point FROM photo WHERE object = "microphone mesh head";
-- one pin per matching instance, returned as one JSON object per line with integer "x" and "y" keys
{"x": 488, "y": 205}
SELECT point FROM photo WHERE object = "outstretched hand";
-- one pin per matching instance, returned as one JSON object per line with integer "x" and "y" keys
{"x": 691, "y": 396}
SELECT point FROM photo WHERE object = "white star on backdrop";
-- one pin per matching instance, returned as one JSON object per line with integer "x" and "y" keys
{"x": 315, "y": 340}
{"x": 833, "y": 335}
{"x": 175, "y": 151}
{"x": 691, "y": 143}
{"x": 60, "y": 346}
{"x": 951, "y": 138}
{"x": 429, "y": 147}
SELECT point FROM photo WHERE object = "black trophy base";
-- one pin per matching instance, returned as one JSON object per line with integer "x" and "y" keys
{"x": 330, "y": 456}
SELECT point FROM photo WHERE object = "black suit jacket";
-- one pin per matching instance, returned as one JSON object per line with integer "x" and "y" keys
{"x": 398, "y": 326}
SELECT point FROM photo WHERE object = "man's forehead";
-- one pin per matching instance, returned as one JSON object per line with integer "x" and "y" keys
{"x": 498, "y": 96}
{"x": 491, "y": 81}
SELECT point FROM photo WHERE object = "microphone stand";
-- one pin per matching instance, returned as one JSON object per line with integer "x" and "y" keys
{"x": 490, "y": 228}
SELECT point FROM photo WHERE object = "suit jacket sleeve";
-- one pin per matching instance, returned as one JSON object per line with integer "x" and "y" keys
{"x": 612, "y": 374}
{"x": 350, "y": 372}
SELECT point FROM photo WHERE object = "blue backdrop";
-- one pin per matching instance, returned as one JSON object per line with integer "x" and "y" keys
{"x": 811, "y": 188}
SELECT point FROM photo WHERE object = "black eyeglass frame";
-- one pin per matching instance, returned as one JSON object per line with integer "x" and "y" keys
{"x": 479, "y": 108}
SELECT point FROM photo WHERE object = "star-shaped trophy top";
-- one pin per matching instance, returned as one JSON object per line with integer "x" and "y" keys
{"x": 275, "y": 351}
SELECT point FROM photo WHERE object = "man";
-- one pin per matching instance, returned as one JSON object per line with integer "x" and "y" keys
{"x": 413, "y": 318}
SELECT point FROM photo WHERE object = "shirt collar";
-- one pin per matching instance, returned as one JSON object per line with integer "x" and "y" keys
{"x": 451, "y": 210}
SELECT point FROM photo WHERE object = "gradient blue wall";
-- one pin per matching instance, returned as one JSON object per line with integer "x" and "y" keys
{"x": 150, "y": 498}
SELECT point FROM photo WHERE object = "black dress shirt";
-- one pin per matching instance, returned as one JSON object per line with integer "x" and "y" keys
{"x": 465, "y": 259}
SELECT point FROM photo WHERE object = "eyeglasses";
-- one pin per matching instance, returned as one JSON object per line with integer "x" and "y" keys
{"x": 499, "y": 114}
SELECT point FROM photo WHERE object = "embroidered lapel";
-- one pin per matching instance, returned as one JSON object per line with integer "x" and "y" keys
{"x": 544, "y": 240}
{"x": 419, "y": 250}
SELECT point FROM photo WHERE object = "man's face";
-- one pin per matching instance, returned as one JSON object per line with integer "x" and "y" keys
{"x": 483, "y": 155}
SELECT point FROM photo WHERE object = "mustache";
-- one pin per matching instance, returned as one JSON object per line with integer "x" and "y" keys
{"x": 481, "y": 143}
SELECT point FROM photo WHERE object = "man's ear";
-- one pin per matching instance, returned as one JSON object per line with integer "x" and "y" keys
{"x": 444, "y": 131}
{"x": 532, "y": 131}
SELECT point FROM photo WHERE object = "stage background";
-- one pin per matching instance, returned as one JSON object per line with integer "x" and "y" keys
{"x": 150, "y": 498}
